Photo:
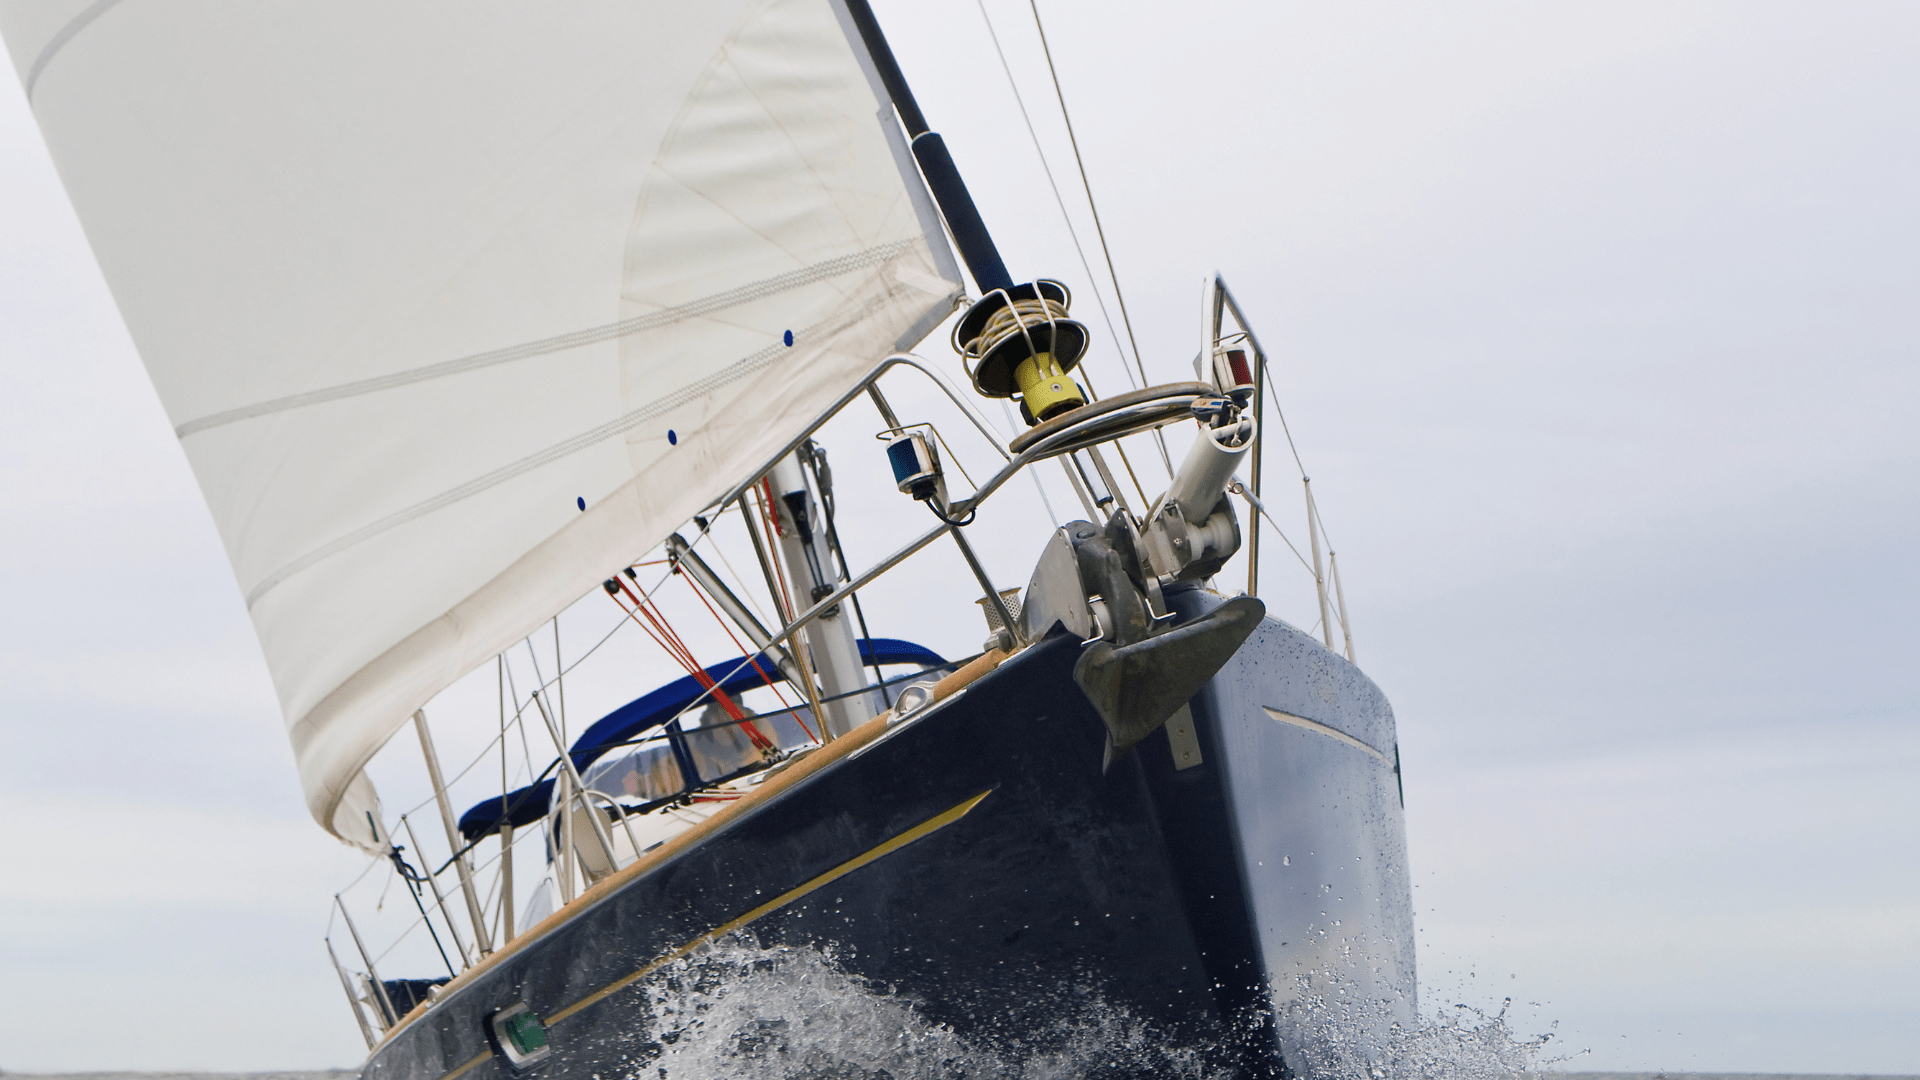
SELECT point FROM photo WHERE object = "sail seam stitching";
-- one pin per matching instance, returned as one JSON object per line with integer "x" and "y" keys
{"x": 758, "y": 290}
{"x": 733, "y": 372}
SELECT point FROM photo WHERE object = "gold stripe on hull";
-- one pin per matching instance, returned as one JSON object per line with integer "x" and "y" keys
{"x": 925, "y": 828}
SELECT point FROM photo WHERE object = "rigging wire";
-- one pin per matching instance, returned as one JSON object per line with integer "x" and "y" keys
{"x": 1034, "y": 474}
{"x": 732, "y": 708}
{"x": 763, "y": 500}
{"x": 559, "y": 676}
{"x": 504, "y": 673}
{"x": 1099, "y": 230}
{"x": 519, "y": 713}
{"x": 1315, "y": 520}
{"x": 520, "y": 707}
{"x": 1284, "y": 430}
{"x": 721, "y": 552}
{"x": 1145, "y": 503}
{"x": 663, "y": 633}
{"x": 372, "y": 861}
{"x": 1261, "y": 512}
{"x": 816, "y": 461}
{"x": 1106, "y": 252}
{"x": 753, "y": 657}
{"x": 381, "y": 903}
{"x": 1099, "y": 298}
{"x": 1074, "y": 234}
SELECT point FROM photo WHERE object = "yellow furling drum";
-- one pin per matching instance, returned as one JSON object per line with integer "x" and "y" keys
{"x": 1020, "y": 342}
{"x": 1045, "y": 388}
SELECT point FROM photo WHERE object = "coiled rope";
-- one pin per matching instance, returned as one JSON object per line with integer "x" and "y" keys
{"x": 1016, "y": 317}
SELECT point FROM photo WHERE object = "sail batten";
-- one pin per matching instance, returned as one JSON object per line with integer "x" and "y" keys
{"x": 415, "y": 284}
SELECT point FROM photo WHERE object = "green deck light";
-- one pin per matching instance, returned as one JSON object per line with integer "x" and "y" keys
{"x": 520, "y": 1035}
{"x": 526, "y": 1032}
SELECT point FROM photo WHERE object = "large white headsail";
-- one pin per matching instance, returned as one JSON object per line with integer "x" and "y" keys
{"x": 413, "y": 279}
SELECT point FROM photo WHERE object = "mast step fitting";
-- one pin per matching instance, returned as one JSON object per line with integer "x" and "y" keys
{"x": 1009, "y": 327}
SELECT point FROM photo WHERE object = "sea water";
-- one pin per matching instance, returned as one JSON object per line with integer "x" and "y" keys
{"x": 746, "y": 1013}
{"x": 737, "y": 1011}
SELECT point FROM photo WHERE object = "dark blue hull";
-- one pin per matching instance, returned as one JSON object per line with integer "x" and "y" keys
{"x": 976, "y": 860}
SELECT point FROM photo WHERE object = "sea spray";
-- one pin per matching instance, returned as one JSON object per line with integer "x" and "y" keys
{"x": 1332, "y": 1033}
{"x": 737, "y": 1011}
{"x": 1337, "y": 1021}
{"x": 1465, "y": 1043}
{"x": 747, "y": 1013}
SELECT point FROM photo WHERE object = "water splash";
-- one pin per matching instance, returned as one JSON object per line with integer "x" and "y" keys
{"x": 1334, "y": 1031}
{"x": 742, "y": 1012}
{"x": 747, "y": 1013}
{"x": 1464, "y": 1043}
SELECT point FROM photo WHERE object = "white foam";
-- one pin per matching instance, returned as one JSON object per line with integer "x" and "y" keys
{"x": 1331, "y": 1031}
{"x": 742, "y": 1012}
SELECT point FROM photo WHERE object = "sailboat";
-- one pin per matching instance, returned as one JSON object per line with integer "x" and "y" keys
{"x": 463, "y": 313}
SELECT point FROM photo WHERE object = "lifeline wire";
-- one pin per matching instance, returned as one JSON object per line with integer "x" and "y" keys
{"x": 519, "y": 710}
{"x": 701, "y": 596}
{"x": 677, "y": 648}
{"x": 1262, "y": 512}
{"x": 520, "y": 707}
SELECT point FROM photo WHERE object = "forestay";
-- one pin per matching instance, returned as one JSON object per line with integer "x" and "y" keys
{"x": 413, "y": 280}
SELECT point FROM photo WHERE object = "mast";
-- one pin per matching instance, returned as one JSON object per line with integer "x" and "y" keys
{"x": 950, "y": 194}
{"x": 802, "y": 546}
{"x": 1017, "y": 339}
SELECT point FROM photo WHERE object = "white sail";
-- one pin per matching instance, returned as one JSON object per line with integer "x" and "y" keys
{"x": 414, "y": 279}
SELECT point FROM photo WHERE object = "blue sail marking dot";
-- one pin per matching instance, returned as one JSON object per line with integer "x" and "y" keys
{"x": 789, "y": 339}
{"x": 581, "y": 501}
{"x": 673, "y": 437}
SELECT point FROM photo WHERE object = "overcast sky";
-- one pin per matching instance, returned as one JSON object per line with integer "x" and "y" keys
{"x": 1597, "y": 326}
